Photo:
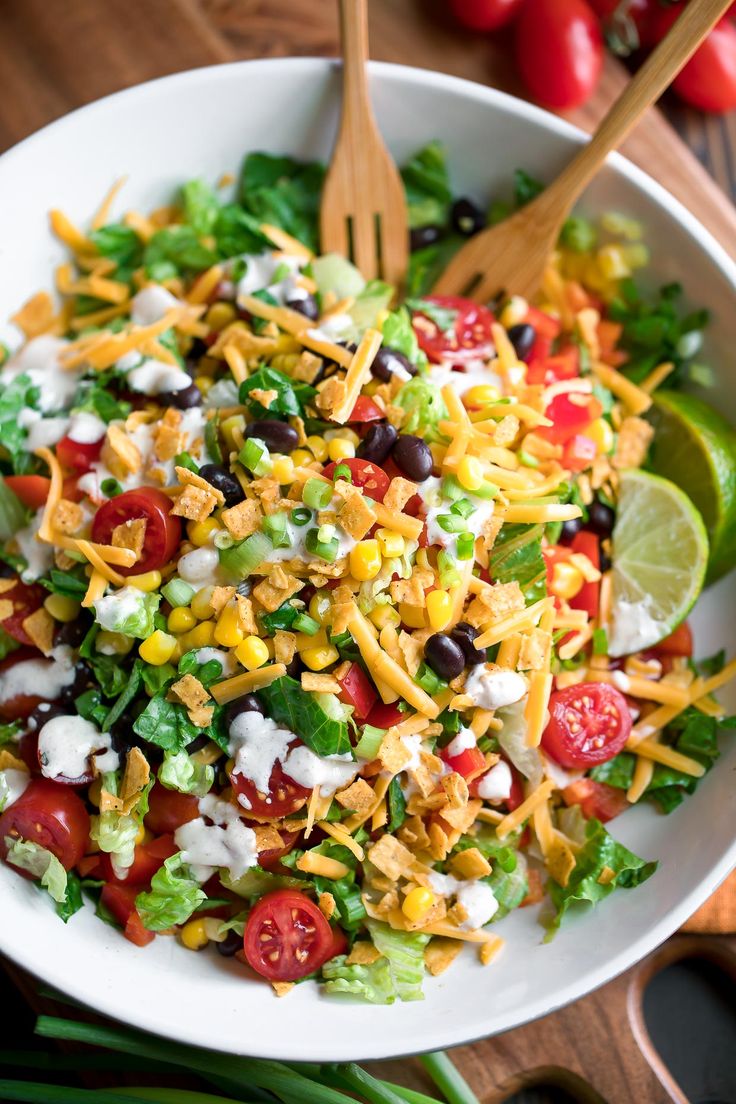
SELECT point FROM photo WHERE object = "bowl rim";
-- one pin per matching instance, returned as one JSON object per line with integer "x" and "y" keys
{"x": 442, "y": 1035}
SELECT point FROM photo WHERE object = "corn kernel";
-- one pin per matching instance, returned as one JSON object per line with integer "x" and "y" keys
{"x": 320, "y": 607}
{"x": 344, "y": 433}
{"x": 220, "y": 315}
{"x": 158, "y": 648}
{"x": 147, "y": 581}
{"x": 417, "y": 903}
{"x": 514, "y": 312}
{"x": 413, "y": 616}
{"x": 140, "y": 834}
{"x": 200, "y": 532}
{"x": 612, "y": 262}
{"x": 193, "y": 935}
{"x": 601, "y": 433}
{"x": 304, "y": 640}
{"x": 339, "y": 449}
{"x": 301, "y": 457}
{"x": 318, "y": 658}
{"x": 470, "y": 473}
{"x": 201, "y": 603}
{"x": 365, "y": 560}
{"x": 384, "y": 615}
{"x": 566, "y": 580}
{"x": 61, "y": 608}
{"x": 318, "y": 447}
{"x": 439, "y": 609}
{"x": 203, "y": 383}
{"x": 391, "y": 544}
{"x": 181, "y": 620}
{"x": 113, "y": 643}
{"x": 481, "y": 395}
{"x": 228, "y": 631}
{"x": 252, "y": 652}
{"x": 201, "y": 636}
{"x": 283, "y": 469}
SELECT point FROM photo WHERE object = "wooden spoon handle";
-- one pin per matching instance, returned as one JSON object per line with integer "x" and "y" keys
{"x": 657, "y": 72}
{"x": 354, "y": 40}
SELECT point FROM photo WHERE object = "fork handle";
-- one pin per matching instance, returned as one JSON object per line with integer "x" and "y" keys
{"x": 657, "y": 72}
{"x": 357, "y": 109}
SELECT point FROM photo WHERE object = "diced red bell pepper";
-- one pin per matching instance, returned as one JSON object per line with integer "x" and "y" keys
{"x": 357, "y": 691}
{"x": 570, "y": 413}
{"x": 588, "y": 597}
{"x": 469, "y": 762}
{"x": 579, "y": 453}
{"x": 596, "y": 799}
{"x": 564, "y": 365}
{"x": 544, "y": 324}
{"x": 385, "y": 716}
{"x": 678, "y": 643}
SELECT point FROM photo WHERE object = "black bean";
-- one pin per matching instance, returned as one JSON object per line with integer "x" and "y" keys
{"x": 413, "y": 456}
{"x": 277, "y": 436}
{"x": 388, "y": 361}
{"x": 223, "y": 481}
{"x": 307, "y": 305}
{"x": 249, "y": 703}
{"x": 467, "y": 217}
{"x": 82, "y": 681}
{"x": 601, "y": 519}
{"x": 72, "y": 633}
{"x": 444, "y": 656}
{"x": 377, "y": 443}
{"x": 522, "y": 337}
{"x": 464, "y": 635}
{"x": 570, "y": 529}
{"x": 422, "y": 236}
{"x": 45, "y": 711}
{"x": 182, "y": 400}
{"x": 230, "y": 945}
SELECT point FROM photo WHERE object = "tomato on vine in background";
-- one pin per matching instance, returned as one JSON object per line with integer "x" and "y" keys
{"x": 485, "y": 15}
{"x": 708, "y": 81}
{"x": 559, "y": 51}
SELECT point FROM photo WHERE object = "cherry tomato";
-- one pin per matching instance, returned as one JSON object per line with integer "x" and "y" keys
{"x": 678, "y": 643}
{"x": 169, "y": 809}
{"x": 78, "y": 456}
{"x": 469, "y": 339}
{"x": 559, "y": 51}
{"x": 596, "y": 799}
{"x": 588, "y": 724}
{"x": 365, "y": 474}
{"x": 19, "y": 706}
{"x": 120, "y": 900}
{"x": 357, "y": 691}
{"x": 469, "y": 761}
{"x": 579, "y": 453}
{"x": 708, "y": 80}
{"x": 385, "y": 716}
{"x": 26, "y": 599}
{"x": 485, "y": 15}
{"x": 163, "y": 530}
{"x": 365, "y": 410}
{"x": 588, "y": 596}
{"x": 50, "y": 815}
{"x": 284, "y": 795}
{"x": 32, "y": 490}
{"x": 287, "y": 937}
{"x": 569, "y": 417}
{"x": 148, "y": 858}
{"x": 273, "y": 856}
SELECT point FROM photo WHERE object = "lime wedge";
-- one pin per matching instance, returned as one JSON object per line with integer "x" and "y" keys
{"x": 660, "y": 553}
{"x": 695, "y": 447}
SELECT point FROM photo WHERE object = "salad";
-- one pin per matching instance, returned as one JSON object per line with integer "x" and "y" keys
{"x": 337, "y": 626}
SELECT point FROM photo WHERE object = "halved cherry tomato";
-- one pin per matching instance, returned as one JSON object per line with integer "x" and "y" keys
{"x": 148, "y": 858}
{"x": 485, "y": 15}
{"x": 120, "y": 900}
{"x": 26, "y": 599}
{"x": 559, "y": 51}
{"x": 579, "y": 453}
{"x": 588, "y": 597}
{"x": 163, "y": 529}
{"x": 169, "y": 809}
{"x": 588, "y": 724}
{"x": 19, "y": 706}
{"x": 273, "y": 856}
{"x": 678, "y": 643}
{"x": 357, "y": 691}
{"x": 596, "y": 799}
{"x": 287, "y": 937}
{"x": 284, "y": 795}
{"x": 50, "y": 815}
{"x": 78, "y": 456}
{"x": 385, "y": 716}
{"x": 32, "y": 490}
{"x": 365, "y": 410}
{"x": 366, "y": 474}
{"x": 469, "y": 339}
{"x": 570, "y": 413}
{"x": 469, "y": 761}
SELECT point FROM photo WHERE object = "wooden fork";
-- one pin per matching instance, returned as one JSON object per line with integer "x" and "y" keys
{"x": 363, "y": 209}
{"x": 513, "y": 255}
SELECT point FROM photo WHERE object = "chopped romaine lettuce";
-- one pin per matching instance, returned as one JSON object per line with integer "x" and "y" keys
{"x": 129, "y": 611}
{"x": 173, "y": 897}
{"x": 39, "y": 862}
{"x": 180, "y": 772}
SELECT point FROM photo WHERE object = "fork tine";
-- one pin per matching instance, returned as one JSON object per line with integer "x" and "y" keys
{"x": 364, "y": 242}
{"x": 333, "y": 227}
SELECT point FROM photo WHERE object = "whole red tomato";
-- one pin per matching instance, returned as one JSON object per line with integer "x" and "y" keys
{"x": 708, "y": 81}
{"x": 559, "y": 51}
{"x": 485, "y": 15}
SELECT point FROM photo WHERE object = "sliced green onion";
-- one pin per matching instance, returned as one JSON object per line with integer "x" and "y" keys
{"x": 451, "y": 523}
{"x": 506, "y": 859}
{"x": 486, "y": 490}
{"x": 178, "y": 593}
{"x": 527, "y": 459}
{"x": 184, "y": 460}
{"x": 326, "y": 532}
{"x": 600, "y": 642}
{"x": 274, "y": 526}
{"x": 451, "y": 488}
{"x": 255, "y": 457}
{"x": 111, "y": 487}
{"x": 578, "y": 234}
{"x": 240, "y": 560}
{"x": 465, "y": 546}
{"x": 306, "y": 624}
{"x": 316, "y": 494}
{"x": 447, "y": 1078}
{"x": 300, "y": 516}
{"x": 429, "y": 680}
{"x": 369, "y": 743}
{"x": 223, "y": 539}
{"x": 326, "y": 550}
{"x": 449, "y": 574}
{"x": 464, "y": 507}
{"x": 342, "y": 471}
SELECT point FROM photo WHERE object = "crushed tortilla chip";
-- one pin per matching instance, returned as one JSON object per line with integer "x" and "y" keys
{"x": 220, "y": 597}
{"x": 456, "y": 789}
{"x": 194, "y": 504}
{"x": 320, "y": 684}
{"x": 243, "y": 519}
{"x": 281, "y": 988}
{"x": 39, "y": 626}
{"x": 327, "y": 905}
{"x": 192, "y": 479}
{"x": 284, "y": 646}
{"x": 190, "y": 691}
{"x": 267, "y": 838}
{"x": 358, "y": 797}
{"x": 440, "y": 953}
{"x": 68, "y": 517}
{"x": 399, "y": 492}
{"x": 606, "y": 875}
{"x": 130, "y": 534}
{"x": 391, "y": 857}
{"x": 356, "y": 516}
{"x": 470, "y": 864}
{"x": 632, "y": 444}
{"x": 8, "y": 761}
{"x": 271, "y": 595}
{"x": 363, "y": 953}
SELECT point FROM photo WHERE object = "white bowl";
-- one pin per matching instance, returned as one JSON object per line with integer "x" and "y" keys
{"x": 203, "y": 122}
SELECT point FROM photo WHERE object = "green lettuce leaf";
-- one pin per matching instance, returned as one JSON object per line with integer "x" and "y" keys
{"x": 325, "y": 733}
{"x": 236, "y": 232}
{"x": 180, "y": 772}
{"x": 13, "y": 514}
{"x": 173, "y": 897}
{"x": 73, "y": 898}
{"x": 398, "y": 333}
{"x": 291, "y": 395}
{"x": 425, "y": 407}
{"x": 166, "y": 724}
{"x": 373, "y": 983}
{"x": 283, "y": 192}
{"x": 405, "y": 954}
{"x": 40, "y": 863}
{"x": 120, "y": 244}
{"x": 427, "y": 264}
{"x": 14, "y": 396}
{"x": 201, "y": 206}
{"x": 176, "y": 250}
{"x": 427, "y": 186}
{"x": 128, "y": 611}
{"x": 517, "y": 555}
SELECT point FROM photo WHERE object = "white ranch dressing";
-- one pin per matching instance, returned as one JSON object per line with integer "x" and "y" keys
{"x": 112, "y": 609}
{"x": 39, "y": 555}
{"x": 201, "y": 567}
{"x": 86, "y": 428}
{"x": 35, "y": 676}
{"x": 476, "y": 374}
{"x": 150, "y": 304}
{"x": 13, "y": 784}
{"x": 153, "y": 377}
{"x": 227, "y": 843}
{"x": 475, "y": 896}
{"x": 464, "y": 740}
{"x": 66, "y": 743}
{"x": 39, "y": 359}
{"x": 496, "y": 784}
{"x": 42, "y": 432}
{"x": 436, "y": 505}
{"x": 259, "y": 276}
{"x": 493, "y": 688}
